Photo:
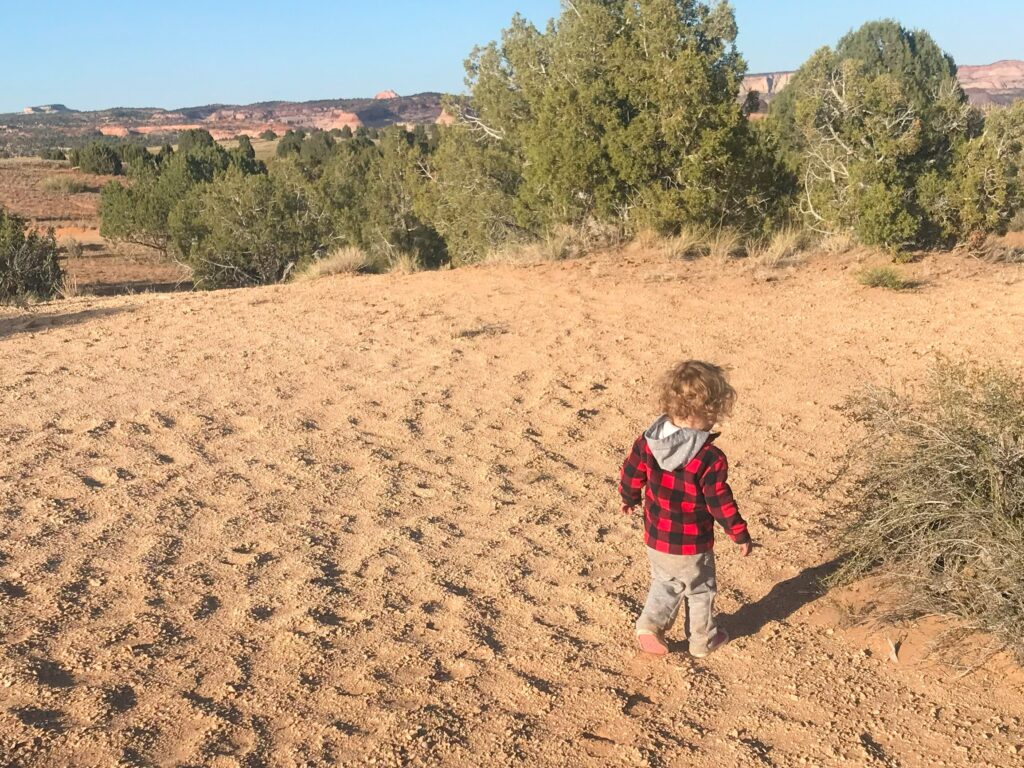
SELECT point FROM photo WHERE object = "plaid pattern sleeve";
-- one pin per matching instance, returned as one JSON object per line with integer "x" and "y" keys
{"x": 718, "y": 496}
{"x": 634, "y": 474}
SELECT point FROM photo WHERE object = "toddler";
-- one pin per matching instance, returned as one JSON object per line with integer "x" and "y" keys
{"x": 687, "y": 490}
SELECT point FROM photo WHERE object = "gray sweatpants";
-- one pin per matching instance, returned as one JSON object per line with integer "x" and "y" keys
{"x": 675, "y": 578}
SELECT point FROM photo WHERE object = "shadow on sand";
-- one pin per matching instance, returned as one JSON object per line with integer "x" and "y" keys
{"x": 33, "y": 322}
{"x": 785, "y": 598}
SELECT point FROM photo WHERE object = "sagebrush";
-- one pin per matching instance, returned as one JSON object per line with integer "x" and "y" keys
{"x": 29, "y": 266}
{"x": 939, "y": 516}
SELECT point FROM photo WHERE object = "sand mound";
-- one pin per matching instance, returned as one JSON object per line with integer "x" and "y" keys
{"x": 373, "y": 520}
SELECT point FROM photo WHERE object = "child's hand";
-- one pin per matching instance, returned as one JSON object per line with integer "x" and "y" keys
{"x": 745, "y": 549}
{"x": 626, "y": 509}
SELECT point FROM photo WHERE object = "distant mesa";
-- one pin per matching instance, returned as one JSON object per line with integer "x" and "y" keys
{"x": 119, "y": 131}
{"x": 386, "y": 95}
{"x": 46, "y": 109}
{"x": 337, "y": 118}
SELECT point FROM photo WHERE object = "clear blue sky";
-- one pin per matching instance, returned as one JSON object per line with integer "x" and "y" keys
{"x": 91, "y": 55}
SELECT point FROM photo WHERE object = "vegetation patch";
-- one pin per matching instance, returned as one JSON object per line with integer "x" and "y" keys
{"x": 885, "y": 277}
{"x": 66, "y": 185}
{"x": 29, "y": 265}
{"x": 940, "y": 511}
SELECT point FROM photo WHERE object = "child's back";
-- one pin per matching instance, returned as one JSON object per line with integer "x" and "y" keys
{"x": 687, "y": 490}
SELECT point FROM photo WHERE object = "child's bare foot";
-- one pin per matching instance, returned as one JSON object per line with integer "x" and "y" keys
{"x": 721, "y": 638}
{"x": 651, "y": 642}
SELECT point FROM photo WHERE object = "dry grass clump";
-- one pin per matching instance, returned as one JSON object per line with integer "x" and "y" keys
{"x": 837, "y": 243}
{"x": 885, "y": 277}
{"x": 72, "y": 248}
{"x": 68, "y": 287}
{"x": 404, "y": 263}
{"x": 786, "y": 248}
{"x": 562, "y": 243}
{"x": 940, "y": 513}
{"x": 1017, "y": 222}
{"x": 724, "y": 244}
{"x": 688, "y": 244}
{"x": 347, "y": 260}
{"x": 998, "y": 250}
{"x": 65, "y": 185}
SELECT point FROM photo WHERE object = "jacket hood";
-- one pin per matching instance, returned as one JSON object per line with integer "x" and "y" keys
{"x": 674, "y": 447}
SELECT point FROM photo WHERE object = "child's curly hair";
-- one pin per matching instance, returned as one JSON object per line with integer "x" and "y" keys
{"x": 695, "y": 388}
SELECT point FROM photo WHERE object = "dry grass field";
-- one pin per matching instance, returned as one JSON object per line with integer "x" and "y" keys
{"x": 373, "y": 521}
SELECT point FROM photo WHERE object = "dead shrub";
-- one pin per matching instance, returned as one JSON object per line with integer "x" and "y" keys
{"x": 939, "y": 515}
{"x": 72, "y": 248}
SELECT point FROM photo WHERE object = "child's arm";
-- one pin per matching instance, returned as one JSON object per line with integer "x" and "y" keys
{"x": 633, "y": 477}
{"x": 721, "y": 504}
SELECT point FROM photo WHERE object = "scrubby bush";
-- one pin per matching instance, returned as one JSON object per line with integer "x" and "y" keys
{"x": 29, "y": 266}
{"x": 251, "y": 229}
{"x": 940, "y": 513}
{"x": 316, "y": 149}
{"x": 65, "y": 185}
{"x": 195, "y": 138}
{"x": 53, "y": 153}
{"x": 884, "y": 277}
{"x": 374, "y": 189}
{"x": 99, "y": 158}
{"x": 268, "y": 135}
{"x": 140, "y": 213}
{"x": 987, "y": 188}
{"x": 290, "y": 143}
{"x": 889, "y": 150}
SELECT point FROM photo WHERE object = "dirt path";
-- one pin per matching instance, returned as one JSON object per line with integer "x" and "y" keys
{"x": 372, "y": 520}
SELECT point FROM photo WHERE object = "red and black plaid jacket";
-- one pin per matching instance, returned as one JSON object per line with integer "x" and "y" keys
{"x": 680, "y": 507}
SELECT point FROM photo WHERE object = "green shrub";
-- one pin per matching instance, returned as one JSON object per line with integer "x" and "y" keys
{"x": 290, "y": 143}
{"x": 29, "y": 267}
{"x": 885, "y": 277}
{"x": 244, "y": 230}
{"x": 268, "y": 135}
{"x": 53, "y": 153}
{"x": 141, "y": 213}
{"x": 195, "y": 138}
{"x": 940, "y": 512}
{"x": 99, "y": 158}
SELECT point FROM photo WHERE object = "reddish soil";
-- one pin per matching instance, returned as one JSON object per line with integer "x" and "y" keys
{"x": 373, "y": 521}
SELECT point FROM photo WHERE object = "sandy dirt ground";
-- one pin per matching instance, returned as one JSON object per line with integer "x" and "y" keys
{"x": 373, "y": 521}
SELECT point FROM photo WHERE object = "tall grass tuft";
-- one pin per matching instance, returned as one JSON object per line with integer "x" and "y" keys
{"x": 940, "y": 512}
{"x": 65, "y": 185}
{"x": 724, "y": 244}
{"x": 688, "y": 244}
{"x": 346, "y": 260}
{"x": 786, "y": 248}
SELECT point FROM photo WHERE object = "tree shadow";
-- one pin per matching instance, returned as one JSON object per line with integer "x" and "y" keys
{"x": 35, "y": 321}
{"x": 784, "y": 599}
